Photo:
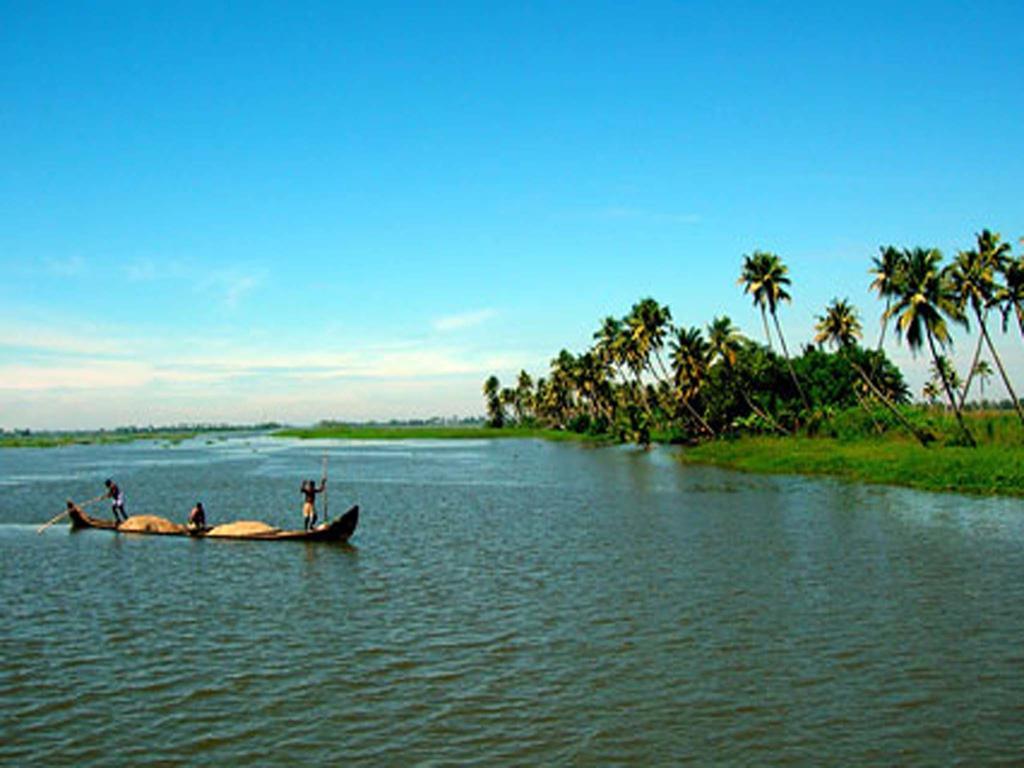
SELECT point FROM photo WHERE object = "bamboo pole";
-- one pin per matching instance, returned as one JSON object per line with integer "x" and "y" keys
{"x": 53, "y": 520}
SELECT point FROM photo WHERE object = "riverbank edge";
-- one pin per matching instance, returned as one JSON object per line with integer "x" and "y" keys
{"x": 437, "y": 433}
{"x": 988, "y": 470}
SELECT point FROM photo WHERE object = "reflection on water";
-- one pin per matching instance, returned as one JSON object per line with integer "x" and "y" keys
{"x": 505, "y": 602}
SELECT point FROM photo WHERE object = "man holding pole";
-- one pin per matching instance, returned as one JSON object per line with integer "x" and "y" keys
{"x": 115, "y": 493}
{"x": 309, "y": 491}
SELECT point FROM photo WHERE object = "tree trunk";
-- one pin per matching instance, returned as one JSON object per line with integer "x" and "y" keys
{"x": 685, "y": 400}
{"x": 885, "y": 323}
{"x": 949, "y": 391}
{"x": 922, "y": 437}
{"x": 763, "y": 414}
{"x": 789, "y": 363}
{"x": 1002, "y": 372}
{"x": 863, "y": 404}
{"x": 696, "y": 416}
{"x": 970, "y": 373}
{"x": 767, "y": 333}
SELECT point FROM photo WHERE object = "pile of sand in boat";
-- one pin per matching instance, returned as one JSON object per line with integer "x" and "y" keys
{"x": 154, "y": 524}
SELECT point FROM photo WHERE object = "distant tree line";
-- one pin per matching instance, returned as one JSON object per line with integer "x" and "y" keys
{"x": 643, "y": 374}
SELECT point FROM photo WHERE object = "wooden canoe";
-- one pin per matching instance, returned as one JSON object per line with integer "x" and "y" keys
{"x": 340, "y": 529}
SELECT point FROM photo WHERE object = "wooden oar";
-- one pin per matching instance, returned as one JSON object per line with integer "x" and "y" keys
{"x": 47, "y": 524}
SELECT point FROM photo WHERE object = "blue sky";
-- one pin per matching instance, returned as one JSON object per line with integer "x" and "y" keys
{"x": 295, "y": 211}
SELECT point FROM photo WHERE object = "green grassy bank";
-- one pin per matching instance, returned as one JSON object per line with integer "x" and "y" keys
{"x": 58, "y": 439}
{"x": 988, "y": 470}
{"x": 361, "y": 432}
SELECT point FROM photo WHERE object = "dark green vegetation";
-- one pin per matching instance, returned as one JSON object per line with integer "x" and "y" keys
{"x": 646, "y": 379}
{"x": 24, "y": 438}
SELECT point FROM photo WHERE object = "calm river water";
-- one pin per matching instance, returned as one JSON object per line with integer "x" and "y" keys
{"x": 512, "y": 602}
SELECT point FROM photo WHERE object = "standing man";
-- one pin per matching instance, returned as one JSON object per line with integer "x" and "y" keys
{"x": 115, "y": 493}
{"x": 309, "y": 492}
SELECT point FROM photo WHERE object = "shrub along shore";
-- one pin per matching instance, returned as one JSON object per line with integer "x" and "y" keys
{"x": 988, "y": 470}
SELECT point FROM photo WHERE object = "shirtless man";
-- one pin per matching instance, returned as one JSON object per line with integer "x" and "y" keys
{"x": 115, "y": 493}
{"x": 197, "y": 517}
{"x": 309, "y": 492}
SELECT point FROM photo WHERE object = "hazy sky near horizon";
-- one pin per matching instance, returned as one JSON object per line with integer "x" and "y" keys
{"x": 295, "y": 211}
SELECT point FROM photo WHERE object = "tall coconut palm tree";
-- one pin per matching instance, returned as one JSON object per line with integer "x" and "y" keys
{"x": 887, "y": 268}
{"x": 690, "y": 358}
{"x": 648, "y": 323}
{"x": 724, "y": 341}
{"x": 524, "y": 397}
{"x": 759, "y": 267}
{"x": 919, "y": 308}
{"x": 984, "y": 372}
{"x": 840, "y": 327}
{"x": 764, "y": 277}
{"x": 591, "y": 381}
{"x": 562, "y": 382}
{"x": 492, "y": 399}
{"x": 507, "y": 396}
{"x": 608, "y": 341}
{"x": 972, "y": 279}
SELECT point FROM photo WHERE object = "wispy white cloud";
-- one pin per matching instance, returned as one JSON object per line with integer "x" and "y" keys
{"x": 51, "y": 360}
{"x": 69, "y": 266}
{"x": 230, "y": 286}
{"x": 225, "y": 285}
{"x": 96, "y": 374}
{"x": 41, "y": 339}
{"x": 463, "y": 320}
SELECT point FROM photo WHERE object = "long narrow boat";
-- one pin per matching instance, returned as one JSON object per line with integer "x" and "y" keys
{"x": 339, "y": 530}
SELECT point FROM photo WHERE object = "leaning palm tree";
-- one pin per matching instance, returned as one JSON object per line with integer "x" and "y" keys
{"x": 608, "y": 341}
{"x": 919, "y": 308}
{"x": 972, "y": 279}
{"x": 887, "y": 268}
{"x": 840, "y": 327}
{"x": 690, "y": 357}
{"x": 1009, "y": 297}
{"x": 648, "y": 322}
{"x": 764, "y": 277}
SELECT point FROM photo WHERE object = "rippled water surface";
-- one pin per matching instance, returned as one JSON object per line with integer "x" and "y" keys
{"x": 509, "y": 602}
